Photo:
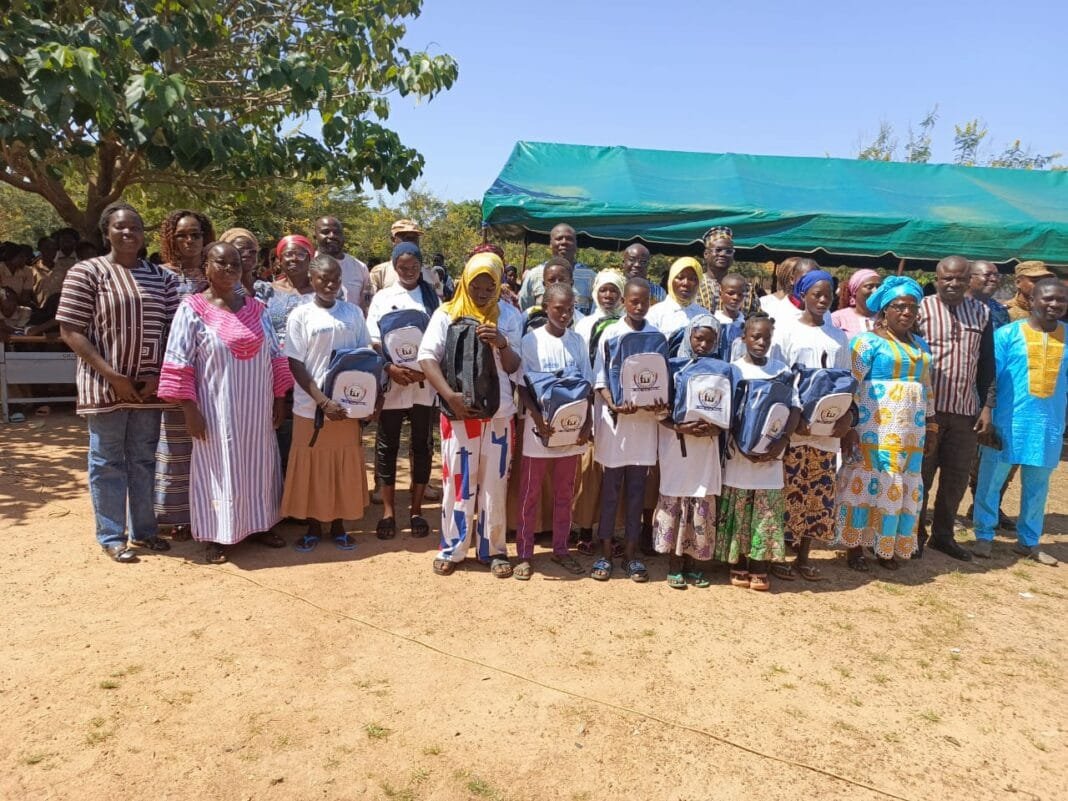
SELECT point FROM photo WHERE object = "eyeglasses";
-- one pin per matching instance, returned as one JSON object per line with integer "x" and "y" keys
{"x": 904, "y": 308}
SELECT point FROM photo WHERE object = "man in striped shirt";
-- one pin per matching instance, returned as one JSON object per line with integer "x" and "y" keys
{"x": 961, "y": 337}
{"x": 718, "y": 260}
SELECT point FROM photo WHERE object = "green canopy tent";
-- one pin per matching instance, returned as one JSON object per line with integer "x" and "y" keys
{"x": 843, "y": 211}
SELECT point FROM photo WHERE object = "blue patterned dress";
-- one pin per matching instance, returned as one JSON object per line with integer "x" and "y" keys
{"x": 879, "y": 495}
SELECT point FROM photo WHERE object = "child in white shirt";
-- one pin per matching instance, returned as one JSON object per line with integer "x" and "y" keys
{"x": 751, "y": 508}
{"x": 684, "y": 524}
{"x": 549, "y": 348}
{"x": 624, "y": 443}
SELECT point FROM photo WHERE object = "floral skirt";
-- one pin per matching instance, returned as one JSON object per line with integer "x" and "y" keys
{"x": 685, "y": 526}
{"x": 810, "y": 492}
{"x": 750, "y": 526}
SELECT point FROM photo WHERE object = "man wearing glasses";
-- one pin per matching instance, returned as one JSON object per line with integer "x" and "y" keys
{"x": 636, "y": 265}
{"x": 718, "y": 260}
{"x": 958, "y": 330}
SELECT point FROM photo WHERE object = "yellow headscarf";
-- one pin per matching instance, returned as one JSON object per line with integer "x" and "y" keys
{"x": 677, "y": 266}
{"x": 462, "y": 305}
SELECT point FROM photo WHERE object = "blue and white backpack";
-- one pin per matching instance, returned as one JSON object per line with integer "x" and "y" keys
{"x": 826, "y": 396}
{"x": 702, "y": 390}
{"x": 355, "y": 379}
{"x": 637, "y": 368}
{"x": 401, "y": 332}
{"x": 761, "y": 411}
{"x": 563, "y": 399}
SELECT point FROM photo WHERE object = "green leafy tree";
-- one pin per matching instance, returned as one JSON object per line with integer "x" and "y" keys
{"x": 918, "y": 148}
{"x": 966, "y": 141}
{"x": 204, "y": 96}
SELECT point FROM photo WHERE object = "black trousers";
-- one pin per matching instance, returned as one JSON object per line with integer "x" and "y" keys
{"x": 387, "y": 443}
{"x": 952, "y": 458}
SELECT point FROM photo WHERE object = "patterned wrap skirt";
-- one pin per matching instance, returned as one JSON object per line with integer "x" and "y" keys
{"x": 750, "y": 526}
{"x": 809, "y": 492}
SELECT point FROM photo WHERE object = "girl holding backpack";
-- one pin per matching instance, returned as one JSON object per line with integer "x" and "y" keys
{"x": 684, "y": 523}
{"x": 812, "y": 341}
{"x": 750, "y": 535}
{"x": 325, "y": 481}
{"x": 410, "y": 396}
{"x": 477, "y": 432}
{"x": 551, "y": 348}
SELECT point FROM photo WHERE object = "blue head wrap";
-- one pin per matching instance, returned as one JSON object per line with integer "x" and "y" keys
{"x": 809, "y": 280}
{"x": 406, "y": 248}
{"x": 700, "y": 321}
{"x": 892, "y": 288}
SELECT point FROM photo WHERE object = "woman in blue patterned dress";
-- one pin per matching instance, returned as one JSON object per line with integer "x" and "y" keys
{"x": 880, "y": 486}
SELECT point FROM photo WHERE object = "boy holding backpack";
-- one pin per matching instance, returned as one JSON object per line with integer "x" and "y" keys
{"x": 552, "y": 347}
{"x": 396, "y": 319}
{"x": 625, "y": 439}
{"x": 476, "y": 338}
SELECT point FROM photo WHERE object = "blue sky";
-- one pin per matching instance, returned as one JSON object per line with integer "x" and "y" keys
{"x": 782, "y": 78}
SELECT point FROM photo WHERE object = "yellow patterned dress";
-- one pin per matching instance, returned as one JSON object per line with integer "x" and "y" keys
{"x": 879, "y": 495}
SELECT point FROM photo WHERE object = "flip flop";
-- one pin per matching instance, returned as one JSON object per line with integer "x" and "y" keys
{"x": 386, "y": 528}
{"x": 697, "y": 578}
{"x": 809, "y": 573}
{"x": 344, "y": 541}
{"x": 523, "y": 571}
{"x": 569, "y": 563}
{"x": 676, "y": 581}
{"x": 420, "y": 527}
{"x": 444, "y": 567}
{"x": 306, "y": 543}
{"x": 784, "y": 571}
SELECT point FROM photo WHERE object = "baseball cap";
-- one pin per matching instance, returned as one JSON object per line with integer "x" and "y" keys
{"x": 405, "y": 227}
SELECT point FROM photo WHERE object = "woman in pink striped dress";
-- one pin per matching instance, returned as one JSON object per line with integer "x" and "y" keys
{"x": 224, "y": 366}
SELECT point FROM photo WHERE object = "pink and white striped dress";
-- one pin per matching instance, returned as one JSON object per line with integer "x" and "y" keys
{"x": 231, "y": 365}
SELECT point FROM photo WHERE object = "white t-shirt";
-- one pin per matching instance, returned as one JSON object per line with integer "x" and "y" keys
{"x": 801, "y": 345}
{"x": 779, "y": 309}
{"x": 510, "y": 323}
{"x": 543, "y": 352}
{"x": 355, "y": 277}
{"x": 668, "y": 316}
{"x": 630, "y": 439}
{"x": 741, "y": 473}
{"x": 389, "y": 276}
{"x": 394, "y": 298}
{"x": 695, "y": 475}
{"x": 312, "y": 334}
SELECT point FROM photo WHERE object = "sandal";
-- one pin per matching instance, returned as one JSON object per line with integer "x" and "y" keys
{"x": 215, "y": 554}
{"x": 152, "y": 544}
{"x": 618, "y": 551}
{"x": 386, "y": 528}
{"x": 585, "y": 547}
{"x": 602, "y": 570}
{"x": 888, "y": 564}
{"x": 739, "y": 578}
{"x": 121, "y": 553}
{"x": 859, "y": 563}
{"x": 523, "y": 571}
{"x": 500, "y": 567}
{"x": 420, "y": 527}
{"x": 635, "y": 570}
{"x": 676, "y": 581}
{"x": 759, "y": 582}
{"x": 344, "y": 541}
{"x": 698, "y": 578}
{"x": 181, "y": 533}
{"x": 268, "y": 539}
{"x": 784, "y": 571}
{"x": 569, "y": 563}
{"x": 306, "y": 543}
{"x": 444, "y": 567}
{"x": 809, "y": 572}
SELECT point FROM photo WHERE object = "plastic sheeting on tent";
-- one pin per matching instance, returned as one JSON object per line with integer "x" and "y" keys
{"x": 856, "y": 211}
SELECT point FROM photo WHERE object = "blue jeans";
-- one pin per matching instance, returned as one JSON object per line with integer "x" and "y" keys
{"x": 1034, "y": 490}
{"x": 122, "y": 469}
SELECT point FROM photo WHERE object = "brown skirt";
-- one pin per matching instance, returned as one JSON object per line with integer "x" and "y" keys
{"x": 328, "y": 480}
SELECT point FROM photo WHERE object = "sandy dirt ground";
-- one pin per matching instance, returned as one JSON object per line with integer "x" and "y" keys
{"x": 361, "y": 675}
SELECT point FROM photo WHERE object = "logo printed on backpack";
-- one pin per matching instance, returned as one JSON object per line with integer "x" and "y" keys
{"x": 354, "y": 393}
{"x": 646, "y": 379}
{"x": 711, "y": 399}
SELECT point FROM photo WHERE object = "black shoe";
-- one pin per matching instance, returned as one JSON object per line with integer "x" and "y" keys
{"x": 1005, "y": 522}
{"x": 120, "y": 553}
{"x": 153, "y": 544}
{"x": 950, "y": 548}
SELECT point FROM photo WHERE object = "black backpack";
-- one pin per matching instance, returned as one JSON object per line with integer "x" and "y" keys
{"x": 595, "y": 335}
{"x": 470, "y": 369}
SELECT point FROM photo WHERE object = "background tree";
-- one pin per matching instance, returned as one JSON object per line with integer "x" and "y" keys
{"x": 204, "y": 96}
